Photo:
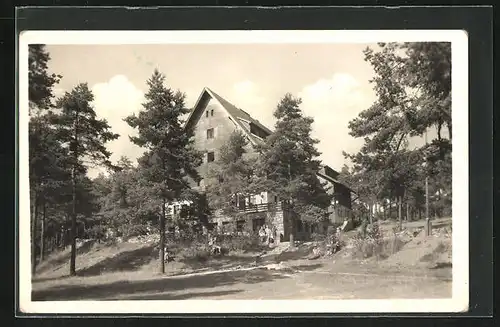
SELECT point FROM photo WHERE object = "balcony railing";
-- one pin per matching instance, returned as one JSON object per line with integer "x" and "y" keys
{"x": 260, "y": 207}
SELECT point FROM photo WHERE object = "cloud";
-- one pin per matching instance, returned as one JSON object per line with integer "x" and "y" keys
{"x": 248, "y": 96}
{"x": 114, "y": 100}
{"x": 333, "y": 102}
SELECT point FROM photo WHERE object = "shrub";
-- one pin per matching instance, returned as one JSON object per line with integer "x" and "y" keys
{"x": 317, "y": 237}
{"x": 128, "y": 231}
{"x": 97, "y": 232}
{"x": 374, "y": 244}
{"x": 329, "y": 243}
{"x": 240, "y": 242}
{"x": 197, "y": 251}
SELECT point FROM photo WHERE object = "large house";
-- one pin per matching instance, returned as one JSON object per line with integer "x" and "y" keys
{"x": 213, "y": 119}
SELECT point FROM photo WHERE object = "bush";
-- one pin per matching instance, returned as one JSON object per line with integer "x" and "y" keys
{"x": 97, "y": 232}
{"x": 329, "y": 243}
{"x": 317, "y": 237}
{"x": 243, "y": 242}
{"x": 128, "y": 231}
{"x": 197, "y": 251}
{"x": 374, "y": 244}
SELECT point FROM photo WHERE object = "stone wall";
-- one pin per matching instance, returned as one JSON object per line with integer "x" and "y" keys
{"x": 277, "y": 219}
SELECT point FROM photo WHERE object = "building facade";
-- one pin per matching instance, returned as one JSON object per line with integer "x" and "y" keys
{"x": 213, "y": 120}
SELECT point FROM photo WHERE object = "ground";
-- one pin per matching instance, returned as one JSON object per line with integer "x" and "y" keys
{"x": 421, "y": 269}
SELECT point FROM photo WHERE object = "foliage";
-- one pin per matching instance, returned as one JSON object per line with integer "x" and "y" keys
{"x": 412, "y": 83}
{"x": 47, "y": 166}
{"x": 374, "y": 243}
{"x": 231, "y": 176}
{"x": 170, "y": 157}
{"x": 40, "y": 81}
{"x": 84, "y": 136}
{"x": 288, "y": 163}
{"x": 241, "y": 242}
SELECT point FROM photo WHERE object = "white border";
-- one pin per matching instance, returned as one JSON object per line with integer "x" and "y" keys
{"x": 460, "y": 256}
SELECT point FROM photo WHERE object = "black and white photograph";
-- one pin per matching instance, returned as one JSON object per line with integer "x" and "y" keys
{"x": 258, "y": 166}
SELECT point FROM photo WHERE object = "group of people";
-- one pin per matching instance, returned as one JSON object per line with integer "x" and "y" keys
{"x": 267, "y": 234}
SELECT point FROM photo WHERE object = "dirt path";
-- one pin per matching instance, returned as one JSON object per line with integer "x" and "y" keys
{"x": 301, "y": 279}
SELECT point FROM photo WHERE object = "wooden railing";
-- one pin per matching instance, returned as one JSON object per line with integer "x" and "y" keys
{"x": 261, "y": 207}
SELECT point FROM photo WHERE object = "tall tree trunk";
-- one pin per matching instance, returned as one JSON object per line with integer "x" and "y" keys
{"x": 407, "y": 211}
{"x": 42, "y": 233}
{"x": 72, "y": 263}
{"x": 291, "y": 214}
{"x": 291, "y": 225}
{"x": 162, "y": 237}
{"x": 74, "y": 146}
{"x": 33, "y": 234}
{"x": 438, "y": 202}
{"x": 371, "y": 213}
{"x": 62, "y": 238}
{"x": 400, "y": 212}
{"x": 427, "y": 197}
{"x": 390, "y": 208}
{"x": 439, "y": 126}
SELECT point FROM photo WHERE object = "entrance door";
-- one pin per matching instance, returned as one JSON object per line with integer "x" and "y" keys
{"x": 257, "y": 223}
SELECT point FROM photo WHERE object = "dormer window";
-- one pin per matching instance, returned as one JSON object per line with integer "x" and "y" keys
{"x": 257, "y": 131}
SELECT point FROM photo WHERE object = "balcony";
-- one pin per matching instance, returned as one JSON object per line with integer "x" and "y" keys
{"x": 261, "y": 207}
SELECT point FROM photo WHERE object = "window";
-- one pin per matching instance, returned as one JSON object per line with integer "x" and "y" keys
{"x": 211, "y": 112}
{"x": 210, "y": 133}
{"x": 207, "y": 113}
{"x": 210, "y": 156}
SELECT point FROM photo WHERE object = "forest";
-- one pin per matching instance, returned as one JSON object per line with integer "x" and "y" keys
{"x": 392, "y": 178}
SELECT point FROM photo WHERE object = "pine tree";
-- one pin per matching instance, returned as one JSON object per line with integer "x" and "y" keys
{"x": 288, "y": 165}
{"x": 41, "y": 82}
{"x": 427, "y": 67}
{"x": 85, "y": 137}
{"x": 412, "y": 83}
{"x": 45, "y": 152}
{"x": 231, "y": 175}
{"x": 170, "y": 155}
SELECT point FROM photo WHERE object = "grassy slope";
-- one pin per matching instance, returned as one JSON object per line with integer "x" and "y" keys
{"x": 130, "y": 263}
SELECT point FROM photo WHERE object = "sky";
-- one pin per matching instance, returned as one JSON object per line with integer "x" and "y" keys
{"x": 331, "y": 79}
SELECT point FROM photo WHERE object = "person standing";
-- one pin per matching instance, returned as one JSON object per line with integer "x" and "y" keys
{"x": 268, "y": 234}
{"x": 262, "y": 234}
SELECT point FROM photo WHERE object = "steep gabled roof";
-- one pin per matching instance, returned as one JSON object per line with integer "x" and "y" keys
{"x": 331, "y": 175}
{"x": 237, "y": 115}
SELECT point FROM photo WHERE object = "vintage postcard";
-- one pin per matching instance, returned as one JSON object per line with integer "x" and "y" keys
{"x": 291, "y": 171}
